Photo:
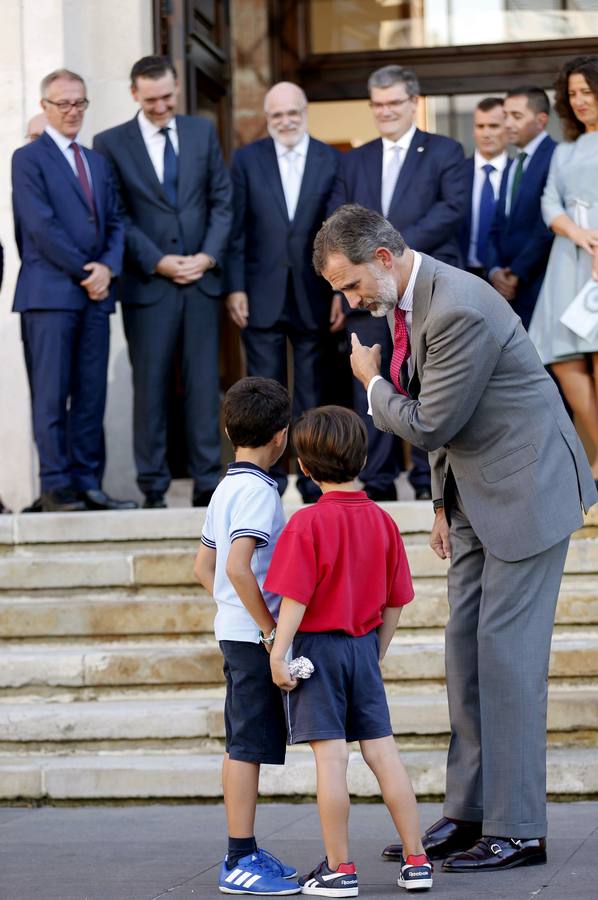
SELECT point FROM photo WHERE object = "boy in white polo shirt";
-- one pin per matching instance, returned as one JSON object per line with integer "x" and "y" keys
{"x": 243, "y": 523}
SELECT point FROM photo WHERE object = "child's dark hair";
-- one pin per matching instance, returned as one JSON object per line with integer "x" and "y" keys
{"x": 254, "y": 410}
{"x": 332, "y": 443}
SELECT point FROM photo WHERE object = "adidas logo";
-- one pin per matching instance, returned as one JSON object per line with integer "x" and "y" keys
{"x": 240, "y": 877}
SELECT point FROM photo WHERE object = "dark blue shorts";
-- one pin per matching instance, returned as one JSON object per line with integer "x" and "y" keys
{"x": 254, "y": 719}
{"x": 345, "y": 697}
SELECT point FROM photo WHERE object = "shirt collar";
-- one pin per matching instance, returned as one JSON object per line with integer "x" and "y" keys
{"x": 149, "y": 130}
{"x": 346, "y": 496}
{"x": 243, "y": 466}
{"x": 533, "y": 145}
{"x": 406, "y": 301}
{"x": 300, "y": 147}
{"x": 403, "y": 142}
{"x": 499, "y": 162}
{"x": 61, "y": 140}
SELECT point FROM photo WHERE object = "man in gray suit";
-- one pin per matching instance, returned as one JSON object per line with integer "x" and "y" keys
{"x": 177, "y": 202}
{"x": 509, "y": 479}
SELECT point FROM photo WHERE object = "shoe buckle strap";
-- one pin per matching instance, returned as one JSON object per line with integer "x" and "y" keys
{"x": 496, "y": 849}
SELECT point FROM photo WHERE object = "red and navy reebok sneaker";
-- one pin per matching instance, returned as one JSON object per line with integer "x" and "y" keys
{"x": 416, "y": 873}
{"x": 342, "y": 882}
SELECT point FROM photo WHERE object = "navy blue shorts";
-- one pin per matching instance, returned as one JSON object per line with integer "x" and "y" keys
{"x": 345, "y": 697}
{"x": 254, "y": 719}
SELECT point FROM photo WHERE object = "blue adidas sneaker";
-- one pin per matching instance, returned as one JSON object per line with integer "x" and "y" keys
{"x": 256, "y": 873}
{"x": 278, "y": 867}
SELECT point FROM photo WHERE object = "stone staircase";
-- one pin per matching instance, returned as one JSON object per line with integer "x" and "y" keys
{"x": 111, "y": 681}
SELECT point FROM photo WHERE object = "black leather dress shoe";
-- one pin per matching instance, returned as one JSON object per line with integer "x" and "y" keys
{"x": 490, "y": 854}
{"x": 154, "y": 500}
{"x": 202, "y": 498}
{"x": 99, "y": 499}
{"x": 423, "y": 494}
{"x": 61, "y": 500}
{"x": 34, "y": 507}
{"x": 441, "y": 839}
{"x": 380, "y": 495}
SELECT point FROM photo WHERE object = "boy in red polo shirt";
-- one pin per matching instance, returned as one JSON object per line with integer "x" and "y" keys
{"x": 341, "y": 568}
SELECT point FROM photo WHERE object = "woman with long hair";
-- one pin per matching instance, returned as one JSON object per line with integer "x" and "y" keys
{"x": 570, "y": 209}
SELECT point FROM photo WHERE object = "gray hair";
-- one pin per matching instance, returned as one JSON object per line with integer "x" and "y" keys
{"x": 388, "y": 76}
{"x": 54, "y": 76}
{"x": 357, "y": 233}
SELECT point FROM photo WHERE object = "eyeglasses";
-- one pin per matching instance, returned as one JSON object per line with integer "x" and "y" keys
{"x": 391, "y": 104}
{"x": 289, "y": 113}
{"x": 65, "y": 106}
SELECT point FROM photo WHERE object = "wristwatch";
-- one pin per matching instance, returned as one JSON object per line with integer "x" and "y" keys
{"x": 269, "y": 638}
{"x": 438, "y": 504}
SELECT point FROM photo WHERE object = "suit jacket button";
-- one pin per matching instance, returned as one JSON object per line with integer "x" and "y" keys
{"x": 173, "y": 240}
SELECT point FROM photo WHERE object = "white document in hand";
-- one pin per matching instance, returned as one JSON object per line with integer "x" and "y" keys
{"x": 581, "y": 316}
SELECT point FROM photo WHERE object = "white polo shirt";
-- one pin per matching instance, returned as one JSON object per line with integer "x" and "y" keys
{"x": 246, "y": 503}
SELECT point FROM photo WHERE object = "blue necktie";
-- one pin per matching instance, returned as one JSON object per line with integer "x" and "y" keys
{"x": 487, "y": 206}
{"x": 170, "y": 169}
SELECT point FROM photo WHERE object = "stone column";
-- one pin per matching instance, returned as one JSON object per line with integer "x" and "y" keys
{"x": 100, "y": 41}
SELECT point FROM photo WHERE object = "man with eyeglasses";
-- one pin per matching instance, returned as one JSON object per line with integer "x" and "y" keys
{"x": 415, "y": 179}
{"x": 282, "y": 184}
{"x": 71, "y": 240}
{"x": 176, "y": 195}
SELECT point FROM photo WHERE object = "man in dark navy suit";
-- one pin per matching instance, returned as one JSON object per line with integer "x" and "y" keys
{"x": 520, "y": 242}
{"x": 176, "y": 197}
{"x": 281, "y": 186}
{"x": 70, "y": 238}
{"x": 484, "y": 171}
{"x": 416, "y": 180}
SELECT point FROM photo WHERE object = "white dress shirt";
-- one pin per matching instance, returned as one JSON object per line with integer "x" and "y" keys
{"x": 530, "y": 149}
{"x": 406, "y": 303}
{"x": 64, "y": 145}
{"x": 479, "y": 177}
{"x": 291, "y": 165}
{"x": 391, "y": 165}
{"x": 154, "y": 142}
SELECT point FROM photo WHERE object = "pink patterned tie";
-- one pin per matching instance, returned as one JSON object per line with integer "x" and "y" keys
{"x": 83, "y": 179}
{"x": 402, "y": 350}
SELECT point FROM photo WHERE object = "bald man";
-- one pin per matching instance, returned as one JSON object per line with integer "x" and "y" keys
{"x": 282, "y": 185}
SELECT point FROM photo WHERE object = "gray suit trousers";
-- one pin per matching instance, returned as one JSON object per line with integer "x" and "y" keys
{"x": 497, "y": 653}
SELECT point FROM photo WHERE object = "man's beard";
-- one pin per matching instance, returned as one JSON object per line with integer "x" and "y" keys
{"x": 386, "y": 298}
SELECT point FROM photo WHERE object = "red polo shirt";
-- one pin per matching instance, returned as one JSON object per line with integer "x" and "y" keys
{"x": 344, "y": 559}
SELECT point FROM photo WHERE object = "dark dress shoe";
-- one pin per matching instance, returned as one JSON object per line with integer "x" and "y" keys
{"x": 99, "y": 499}
{"x": 423, "y": 494}
{"x": 380, "y": 495}
{"x": 202, "y": 498}
{"x": 36, "y": 506}
{"x": 61, "y": 500}
{"x": 490, "y": 854}
{"x": 154, "y": 500}
{"x": 441, "y": 839}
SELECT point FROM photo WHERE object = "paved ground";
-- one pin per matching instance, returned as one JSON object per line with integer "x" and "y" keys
{"x": 151, "y": 852}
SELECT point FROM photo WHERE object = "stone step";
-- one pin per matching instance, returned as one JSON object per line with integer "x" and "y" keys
{"x": 421, "y": 711}
{"x": 147, "y": 776}
{"x": 156, "y": 524}
{"x": 45, "y": 569}
{"x": 174, "y": 524}
{"x": 102, "y": 612}
{"x": 413, "y": 655}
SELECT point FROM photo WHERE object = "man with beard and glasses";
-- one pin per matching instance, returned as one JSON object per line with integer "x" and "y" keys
{"x": 509, "y": 478}
{"x": 282, "y": 185}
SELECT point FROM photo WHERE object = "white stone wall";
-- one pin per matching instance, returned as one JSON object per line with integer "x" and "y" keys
{"x": 100, "y": 39}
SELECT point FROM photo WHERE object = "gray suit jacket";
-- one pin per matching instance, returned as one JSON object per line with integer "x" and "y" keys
{"x": 201, "y": 220}
{"x": 490, "y": 415}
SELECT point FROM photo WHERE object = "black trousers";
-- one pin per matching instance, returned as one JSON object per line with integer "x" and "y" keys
{"x": 266, "y": 350}
{"x": 152, "y": 333}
